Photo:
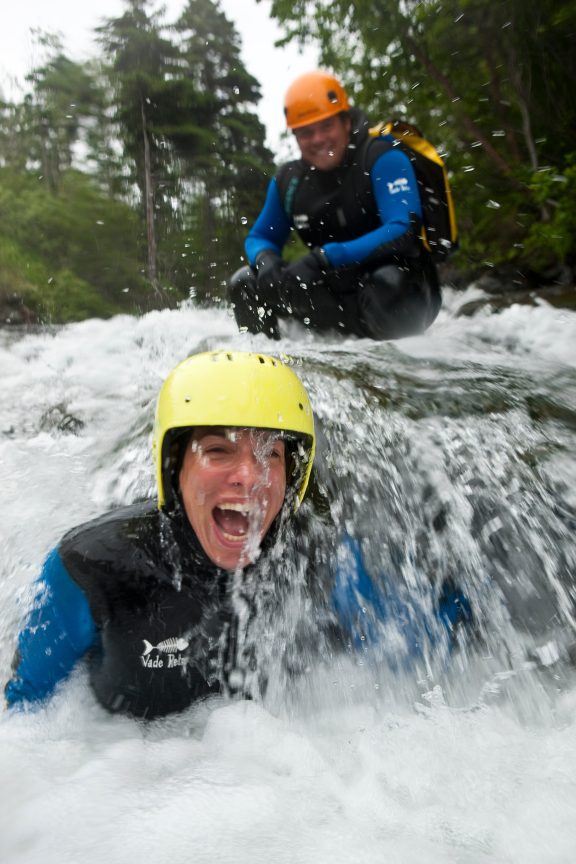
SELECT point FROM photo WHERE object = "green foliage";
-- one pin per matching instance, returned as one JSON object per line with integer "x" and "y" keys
{"x": 140, "y": 60}
{"x": 183, "y": 108}
{"x": 553, "y": 239}
{"x": 64, "y": 95}
{"x": 231, "y": 167}
{"x": 131, "y": 179}
{"x": 48, "y": 295}
{"x": 70, "y": 254}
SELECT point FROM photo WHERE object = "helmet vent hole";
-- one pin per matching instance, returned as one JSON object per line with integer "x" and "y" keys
{"x": 187, "y": 398}
{"x": 229, "y": 356}
{"x": 332, "y": 97}
{"x": 301, "y": 406}
{"x": 261, "y": 359}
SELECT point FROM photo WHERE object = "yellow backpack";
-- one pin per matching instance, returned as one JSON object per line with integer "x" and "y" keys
{"x": 440, "y": 233}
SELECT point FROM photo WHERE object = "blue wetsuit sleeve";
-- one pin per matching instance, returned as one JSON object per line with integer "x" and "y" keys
{"x": 365, "y": 610}
{"x": 396, "y": 192}
{"x": 354, "y": 595}
{"x": 271, "y": 229}
{"x": 59, "y": 630}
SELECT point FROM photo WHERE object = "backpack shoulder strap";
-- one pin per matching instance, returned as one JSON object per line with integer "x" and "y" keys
{"x": 409, "y": 136}
{"x": 287, "y": 180}
{"x": 371, "y": 149}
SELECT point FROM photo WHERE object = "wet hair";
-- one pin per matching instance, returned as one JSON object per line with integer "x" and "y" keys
{"x": 176, "y": 442}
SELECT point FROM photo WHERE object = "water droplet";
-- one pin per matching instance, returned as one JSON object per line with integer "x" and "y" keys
{"x": 243, "y": 220}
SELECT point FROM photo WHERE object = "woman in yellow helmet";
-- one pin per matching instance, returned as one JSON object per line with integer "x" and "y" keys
{"x": 149, "y": 594}
{"x": 144, "y": 592}
{"x": 354, "y": 201}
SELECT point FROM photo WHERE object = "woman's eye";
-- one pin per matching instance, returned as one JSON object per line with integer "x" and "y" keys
{"x": 215, "y": 450}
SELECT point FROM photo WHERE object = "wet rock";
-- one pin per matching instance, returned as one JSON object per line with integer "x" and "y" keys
{"x": 506, "y": 285}
{"x": 562, "y": 297}
{"x": 15, "y": 313}
{"x": 544, "y": 408}
{"x": 58, "y": 418}
{"x": 496, "y": 283}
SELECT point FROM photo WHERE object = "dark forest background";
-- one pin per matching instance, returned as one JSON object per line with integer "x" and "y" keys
{"x": 127, "y": 183}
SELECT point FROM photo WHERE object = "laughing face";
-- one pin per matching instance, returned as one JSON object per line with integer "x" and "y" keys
{"x": 233, "y": 483}
{"x": 323, "y": 144}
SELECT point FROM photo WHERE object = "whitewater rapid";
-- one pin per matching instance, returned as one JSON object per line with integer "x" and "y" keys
{"x": 471, "y": 429}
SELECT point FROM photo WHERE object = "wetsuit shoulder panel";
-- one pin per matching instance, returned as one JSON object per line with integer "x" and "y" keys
{"x": 59, "y": 631}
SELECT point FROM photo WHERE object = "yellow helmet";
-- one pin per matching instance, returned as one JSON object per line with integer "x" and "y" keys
{"x": 230, "y": 388}
{"x": 312, "y": 97}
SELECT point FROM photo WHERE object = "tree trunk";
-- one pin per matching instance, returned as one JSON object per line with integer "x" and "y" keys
{"x": 468, "y": 122}
{"x": 149, "y": 205}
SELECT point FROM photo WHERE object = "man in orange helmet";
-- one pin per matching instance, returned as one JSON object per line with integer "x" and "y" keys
{"x": 354, "y": 201}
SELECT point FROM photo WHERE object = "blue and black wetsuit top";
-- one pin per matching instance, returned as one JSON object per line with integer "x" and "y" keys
{"x": 363, "y": 212}
{"x": 135, "y": 593}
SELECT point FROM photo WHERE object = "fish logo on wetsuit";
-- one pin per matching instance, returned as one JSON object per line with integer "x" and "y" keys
{"x": 168, "y": 646}
{"x": 172, "y": 647}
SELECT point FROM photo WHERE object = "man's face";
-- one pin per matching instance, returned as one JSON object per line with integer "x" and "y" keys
{"x": 233, "y": 483}
{"x": 324, "y": 144}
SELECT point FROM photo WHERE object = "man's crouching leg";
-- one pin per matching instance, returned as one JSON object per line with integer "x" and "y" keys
{"x": 251, "y": 312}
{"x": 399, "y": 300}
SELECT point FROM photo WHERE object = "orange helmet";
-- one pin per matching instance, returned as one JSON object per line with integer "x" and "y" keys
{"x": 312, "y": 97}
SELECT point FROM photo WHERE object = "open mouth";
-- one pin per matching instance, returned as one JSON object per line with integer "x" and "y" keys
{"x": 233, "y": 521}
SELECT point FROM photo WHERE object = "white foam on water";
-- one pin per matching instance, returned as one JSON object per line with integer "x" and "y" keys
{"x": 530, "y": 335}
{"x": 234, "y": 783}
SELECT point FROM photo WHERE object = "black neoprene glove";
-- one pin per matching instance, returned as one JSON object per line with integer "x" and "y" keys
{"x": 270, "y": 268}
{"x": 307, "y": 270}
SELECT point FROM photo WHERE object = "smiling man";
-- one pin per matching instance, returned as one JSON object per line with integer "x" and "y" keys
{"x": 353, "y": 200}
{"x": 144, "y": 593}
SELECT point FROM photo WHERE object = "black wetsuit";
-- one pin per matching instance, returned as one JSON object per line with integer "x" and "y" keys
{"x": 153, "y": 616}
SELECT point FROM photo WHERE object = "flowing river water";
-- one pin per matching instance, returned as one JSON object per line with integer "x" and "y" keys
{"x": 448, "y": 457}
